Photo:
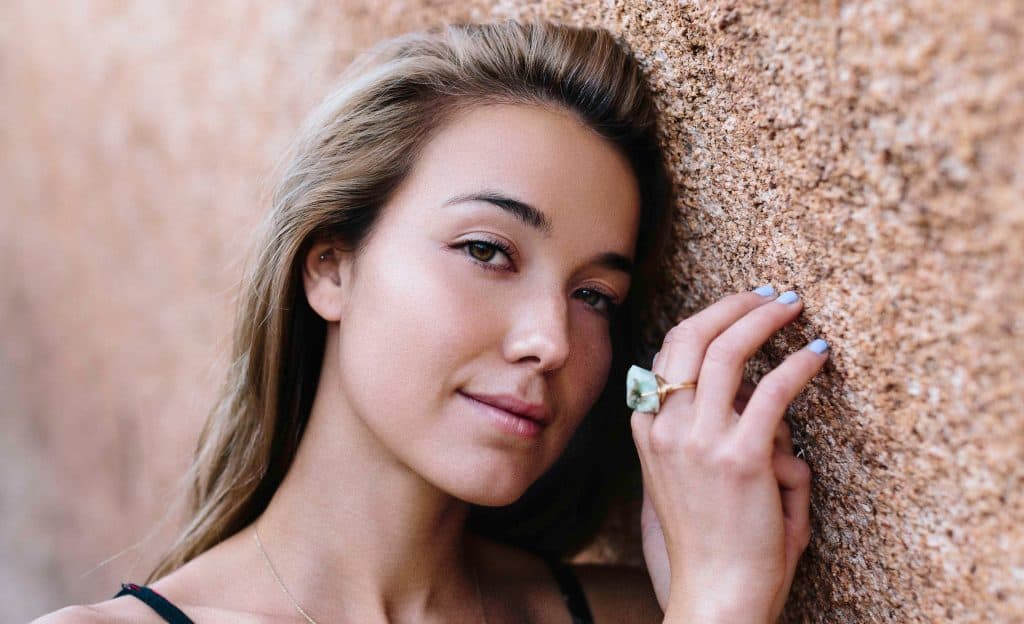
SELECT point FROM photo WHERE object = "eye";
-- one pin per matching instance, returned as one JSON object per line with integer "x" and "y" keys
{"x": 600, "y": 301}
{"x": 484, "y": 251}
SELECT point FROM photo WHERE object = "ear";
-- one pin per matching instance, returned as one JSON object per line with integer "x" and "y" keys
{"x": 325, "y": 277}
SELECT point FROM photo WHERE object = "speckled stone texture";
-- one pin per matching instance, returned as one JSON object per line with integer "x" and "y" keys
{"x": 867, "y": 155}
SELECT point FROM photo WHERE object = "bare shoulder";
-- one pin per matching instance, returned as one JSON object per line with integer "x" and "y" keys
{"x": 619, "y": 593}
{"x": 77, "y": 613}
{"x": 114, "y": 611}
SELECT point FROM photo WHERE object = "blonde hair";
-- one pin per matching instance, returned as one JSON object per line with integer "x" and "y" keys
{"x": 352, "y": 153}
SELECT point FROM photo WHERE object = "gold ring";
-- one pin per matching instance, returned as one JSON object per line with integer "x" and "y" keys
{"x": 646, "y": 391}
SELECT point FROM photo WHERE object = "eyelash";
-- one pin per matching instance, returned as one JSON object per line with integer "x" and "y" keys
{"x": 610, "y": 306}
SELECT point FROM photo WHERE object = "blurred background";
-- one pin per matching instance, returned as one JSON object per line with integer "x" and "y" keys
{"x": 136, "y": 141}
{"x": 868, "y": 154}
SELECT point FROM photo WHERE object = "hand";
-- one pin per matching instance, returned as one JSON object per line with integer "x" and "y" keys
{"x": 725, "y": 514}
{"x": 655, "y": 554}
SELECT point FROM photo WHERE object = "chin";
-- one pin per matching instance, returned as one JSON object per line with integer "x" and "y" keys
{"x": 489, "y": 491}
{"x": 495, "y": 498}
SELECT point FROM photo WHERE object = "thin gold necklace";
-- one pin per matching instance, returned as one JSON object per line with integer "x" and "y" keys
{"x": 266, "y": 557}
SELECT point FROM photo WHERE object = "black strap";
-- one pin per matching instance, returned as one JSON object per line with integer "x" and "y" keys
{"x": 572, "y": 592}
{"x": 158, "y": 603}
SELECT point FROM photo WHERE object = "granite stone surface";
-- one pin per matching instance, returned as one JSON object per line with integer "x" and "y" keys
{"x": 867, "y": 154}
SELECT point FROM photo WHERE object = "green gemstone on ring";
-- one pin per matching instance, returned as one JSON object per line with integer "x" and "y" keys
{"x": 642, "y": 390}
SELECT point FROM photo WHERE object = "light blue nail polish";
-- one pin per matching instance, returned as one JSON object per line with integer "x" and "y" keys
{"x": 787, "y": 297}
{"x": 765, "y": 291}
{"x": 818, "y": 345}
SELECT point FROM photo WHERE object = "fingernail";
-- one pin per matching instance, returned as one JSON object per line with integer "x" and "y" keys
{"x": 818, "y": 345}
{"x": 765, "y": 291}
{"x": 787, "y": 297}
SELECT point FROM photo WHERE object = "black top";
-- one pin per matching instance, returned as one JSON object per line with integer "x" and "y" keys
{"x": 572, "y": 593}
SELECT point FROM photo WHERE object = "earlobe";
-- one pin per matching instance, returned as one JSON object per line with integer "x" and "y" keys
{"x": 323, "y": 280}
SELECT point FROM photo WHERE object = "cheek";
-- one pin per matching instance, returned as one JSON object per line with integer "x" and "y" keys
{"x": 592, "y": 364}
{"x": 408, "y": 328}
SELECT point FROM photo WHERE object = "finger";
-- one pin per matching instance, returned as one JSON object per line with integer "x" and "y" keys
{"x": 640, "y": 423}
{"x": 792, "y": 472}
{"x": 794, "y": 476}
{"x": 798, "y": 526}
{"x": 682, "y": 350}
{"x": 777, "y": 389}
{"x": 783, "y": 438}
{"x": 726, "y": 357}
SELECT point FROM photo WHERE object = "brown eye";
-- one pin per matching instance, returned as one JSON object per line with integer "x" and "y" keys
{"x": 487, "y": 254}
{"x": 599, "y": 301}
{"x": 483, "y": 252}
{"x": 592, "y": 297}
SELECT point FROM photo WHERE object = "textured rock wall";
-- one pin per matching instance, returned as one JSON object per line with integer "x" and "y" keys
{"x": 867, "y": 154}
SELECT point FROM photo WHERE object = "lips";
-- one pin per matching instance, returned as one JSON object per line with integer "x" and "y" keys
{"x": 536, "y": 412}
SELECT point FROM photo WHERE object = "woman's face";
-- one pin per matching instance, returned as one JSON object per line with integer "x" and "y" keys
{"x": 454, "y": 297}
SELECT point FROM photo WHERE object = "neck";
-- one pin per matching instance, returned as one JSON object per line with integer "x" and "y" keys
{"x": 353, "y": 530}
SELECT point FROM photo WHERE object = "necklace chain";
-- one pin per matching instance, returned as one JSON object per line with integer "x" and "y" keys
{"x": 256, "y": 534}
{"x": 277, "y": 577}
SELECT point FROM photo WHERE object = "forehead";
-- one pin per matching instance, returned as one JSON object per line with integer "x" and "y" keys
{"x": 543, "y": 157}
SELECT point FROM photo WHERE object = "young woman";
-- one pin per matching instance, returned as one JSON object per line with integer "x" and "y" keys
{"x": 425, "y": 416}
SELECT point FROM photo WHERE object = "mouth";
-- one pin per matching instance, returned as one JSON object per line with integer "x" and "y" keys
{"x": 518, "y": 421}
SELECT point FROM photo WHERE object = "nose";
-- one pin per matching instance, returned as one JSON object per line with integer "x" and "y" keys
{"x": 539, "y": 331}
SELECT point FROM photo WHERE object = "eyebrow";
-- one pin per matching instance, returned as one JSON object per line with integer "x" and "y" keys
{"x": 519, "y": 209}
{"x": 536, "y": 219}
